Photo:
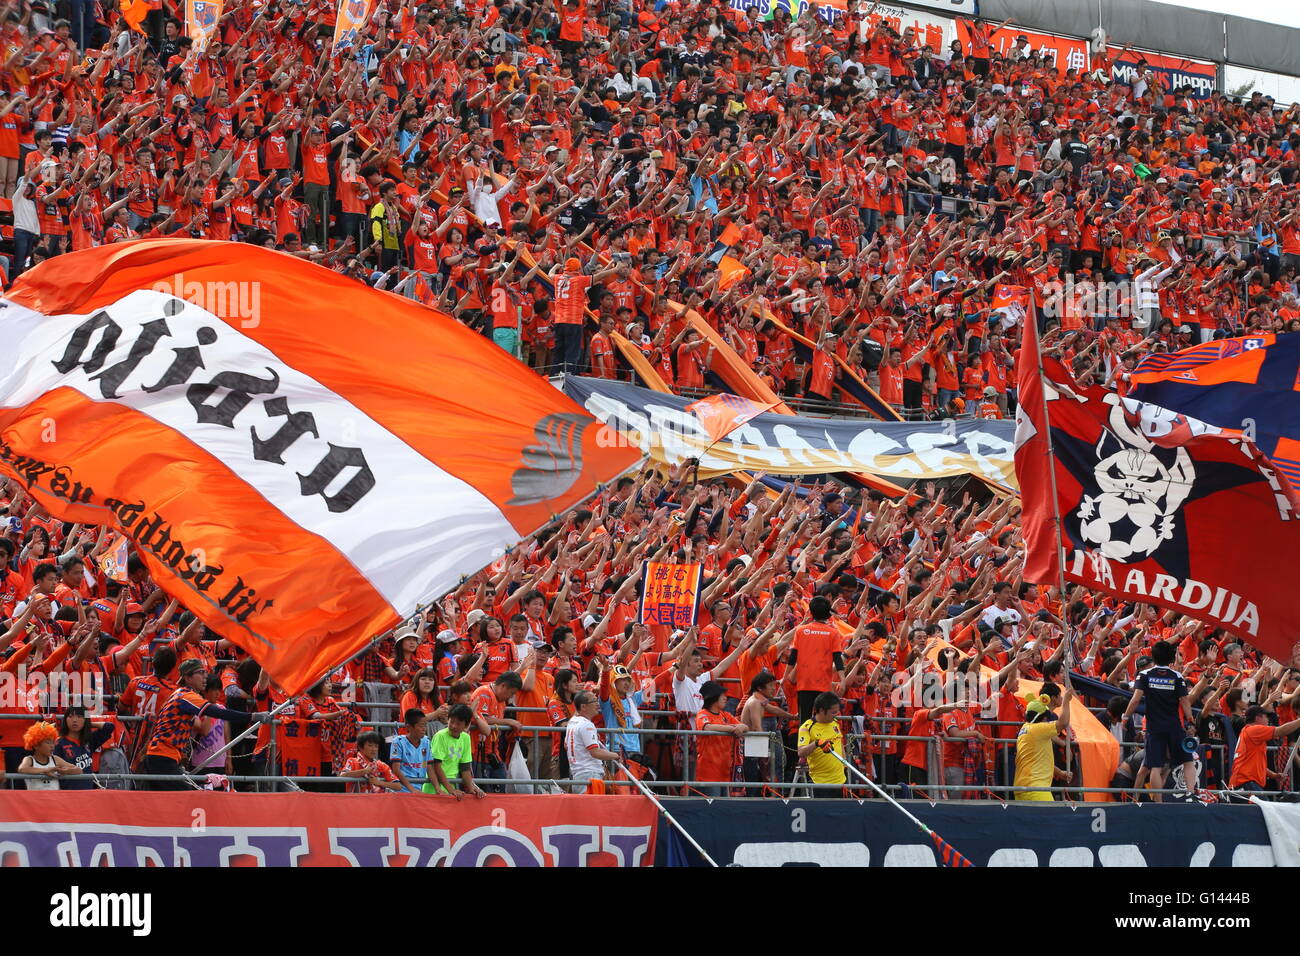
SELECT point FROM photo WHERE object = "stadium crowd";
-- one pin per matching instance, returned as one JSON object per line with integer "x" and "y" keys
{"x": 562, "y": 176}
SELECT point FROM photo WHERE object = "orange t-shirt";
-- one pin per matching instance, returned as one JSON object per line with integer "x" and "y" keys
{"x": 1249, "y": 762}
{"x": 571, "y": 298}
{"x": 543, "y": 690}
{"x": 717, "y": 752}
{"x": 486, "y": 705}
{"x": 602, "y": 356}
{"x": 816, "y": 645}
{"x": 316, "y": 163}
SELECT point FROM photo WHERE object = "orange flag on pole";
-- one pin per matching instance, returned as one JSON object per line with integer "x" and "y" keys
{"x": 201, "y": 19}
{"x": 722, "y": 414}
{"x": 301, "y": 460}
{"x": 134, "y": 12}
{"x": 350, "y": 21}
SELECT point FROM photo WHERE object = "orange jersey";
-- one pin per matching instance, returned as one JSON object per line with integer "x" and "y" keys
{"x": 571, "y": 298}
{"x": 816, "y": 645}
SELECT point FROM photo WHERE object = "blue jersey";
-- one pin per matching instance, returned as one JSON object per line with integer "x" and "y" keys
{"x": 626, "y": 743}
{"x": 411, "y": 758}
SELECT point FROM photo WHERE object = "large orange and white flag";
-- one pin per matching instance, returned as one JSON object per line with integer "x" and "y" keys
{"x": 301, "y": 460}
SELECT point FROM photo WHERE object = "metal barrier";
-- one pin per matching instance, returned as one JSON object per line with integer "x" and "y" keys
{"x": 499, "y": 784}
{"x": 862, "y": 747}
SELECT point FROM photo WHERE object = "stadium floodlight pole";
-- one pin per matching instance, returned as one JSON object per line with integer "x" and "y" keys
{"x": 1032, "y": 316}
{"x": 667, "y": 816}
{"x": 900, "y": 808}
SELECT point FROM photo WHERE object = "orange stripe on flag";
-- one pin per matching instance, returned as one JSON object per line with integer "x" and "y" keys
{"x": 170, "y": 515}
{"x": 731, "y": 368}
{"x": 644, "y": 370}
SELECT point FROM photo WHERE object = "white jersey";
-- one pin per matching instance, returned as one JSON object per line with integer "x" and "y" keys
{"x": 686, "y": 692}
{"x": 579, "y": 735}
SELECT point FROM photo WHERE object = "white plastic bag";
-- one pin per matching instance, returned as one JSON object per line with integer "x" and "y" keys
{"x": 517, "y": 769}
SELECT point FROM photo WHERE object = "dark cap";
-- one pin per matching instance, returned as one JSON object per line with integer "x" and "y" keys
{"x": 190, "y": 665}
{"x": 711, "y": 691}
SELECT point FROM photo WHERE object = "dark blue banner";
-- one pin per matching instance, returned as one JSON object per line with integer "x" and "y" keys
{"x": 873, "y": 833}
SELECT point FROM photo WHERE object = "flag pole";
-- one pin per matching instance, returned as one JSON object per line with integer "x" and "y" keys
{"x": 1051, "y": 468}
{"x": 667, "y": 816}
{"x": 898, "y": 806}
{"x": 1032, "y": 316}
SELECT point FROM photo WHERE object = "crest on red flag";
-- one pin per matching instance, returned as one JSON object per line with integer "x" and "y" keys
{"x": 1154, "y": 506}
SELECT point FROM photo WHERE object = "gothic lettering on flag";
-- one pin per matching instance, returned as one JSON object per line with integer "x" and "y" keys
{"x": 1155, "y": 506}
{"x": 300, "y": 481}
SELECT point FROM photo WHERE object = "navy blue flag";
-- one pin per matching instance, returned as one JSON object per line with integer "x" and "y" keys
{"x": 1251, "y": 384}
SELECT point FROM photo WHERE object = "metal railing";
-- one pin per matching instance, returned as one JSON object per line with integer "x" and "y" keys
{"x": 780, "y": 761}
{"x": 662, "y": 788}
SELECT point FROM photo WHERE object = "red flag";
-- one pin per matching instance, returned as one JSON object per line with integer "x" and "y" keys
{"x": 723, "y": 414}
{"x": 1155, "y": 507}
